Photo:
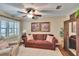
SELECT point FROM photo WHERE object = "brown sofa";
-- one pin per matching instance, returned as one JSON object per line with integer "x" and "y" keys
{"x": 40, "y": 42}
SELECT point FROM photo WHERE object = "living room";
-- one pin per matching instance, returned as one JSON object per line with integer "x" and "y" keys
{"x": 48, "y": 21}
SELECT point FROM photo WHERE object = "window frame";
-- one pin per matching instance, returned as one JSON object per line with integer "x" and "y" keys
{"x": 7, "y": 29}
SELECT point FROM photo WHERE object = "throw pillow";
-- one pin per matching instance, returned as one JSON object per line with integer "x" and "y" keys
{"x": 49, "y": 38}
{"x": 30, "y": 37}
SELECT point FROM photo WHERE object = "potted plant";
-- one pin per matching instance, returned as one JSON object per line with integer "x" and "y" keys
{"x": 77, "y": 14}
{"x": 61, "y": 32}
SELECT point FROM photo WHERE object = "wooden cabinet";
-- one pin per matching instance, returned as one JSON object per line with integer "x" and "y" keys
{"x": 67, "y": 34}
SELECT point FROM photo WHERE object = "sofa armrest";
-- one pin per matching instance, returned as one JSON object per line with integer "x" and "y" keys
{"x": 24, "y": 38}
{"x": 54, "y": 41}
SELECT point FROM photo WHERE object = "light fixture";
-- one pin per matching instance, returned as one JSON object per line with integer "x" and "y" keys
{"x": 29, "y": 15}
{"x": 33, "y": 14}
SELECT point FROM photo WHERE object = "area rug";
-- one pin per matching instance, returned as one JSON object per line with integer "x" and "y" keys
{"x": 37, "y": 52}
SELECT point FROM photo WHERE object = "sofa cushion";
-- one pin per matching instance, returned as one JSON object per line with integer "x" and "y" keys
{"x": 49, "y": 38}
{"x": 38, "y": 42}
{"x": 35, "y": 36}
{"x": 30, "y": 37}
{"x": 39, "y": 36}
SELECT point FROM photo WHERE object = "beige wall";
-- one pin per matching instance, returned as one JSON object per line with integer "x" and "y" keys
{"x": 55, "y": 24}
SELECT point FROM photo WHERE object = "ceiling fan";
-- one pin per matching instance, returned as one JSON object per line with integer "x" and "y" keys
{"x": 35, "y": 13}
{"x": 30, "y": 12}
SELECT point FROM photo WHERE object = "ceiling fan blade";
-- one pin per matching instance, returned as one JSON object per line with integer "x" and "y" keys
{"x": 22, "y": 12}
{"x": 38, "y": 15}
{"x": 24, "y": 16}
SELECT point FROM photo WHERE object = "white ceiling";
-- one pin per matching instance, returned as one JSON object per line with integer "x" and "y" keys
{"x": 48, "y": 9}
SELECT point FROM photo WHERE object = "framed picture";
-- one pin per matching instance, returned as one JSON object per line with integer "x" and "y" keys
{"x": 45, "y": 27}
{"x": 40, "y": 27}
{"x": 35, "y": 27}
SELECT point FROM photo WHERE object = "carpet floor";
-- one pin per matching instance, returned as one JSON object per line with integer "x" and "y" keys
{"x": 38, "y": 52}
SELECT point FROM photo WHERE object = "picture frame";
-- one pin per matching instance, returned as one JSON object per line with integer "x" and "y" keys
{"x": 35, "y": 27}
{"x": 45, "y": 27}
{"x": 40, "y": 27}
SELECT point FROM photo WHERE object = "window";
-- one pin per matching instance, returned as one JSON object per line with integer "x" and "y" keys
{"x": 9, "y": 28}
{"x": 17, "y": 28}
{"x": 3, "y": 28}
